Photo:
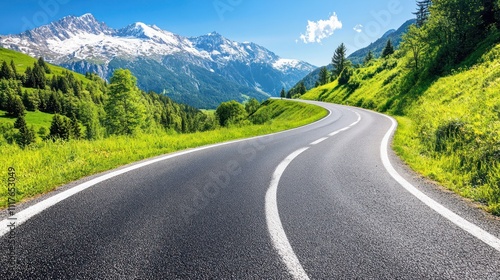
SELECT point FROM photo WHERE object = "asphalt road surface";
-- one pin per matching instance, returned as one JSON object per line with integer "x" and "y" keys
{"x": 325, "y": 201}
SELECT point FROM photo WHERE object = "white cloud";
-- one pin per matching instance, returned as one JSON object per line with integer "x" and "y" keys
{"x": 358, "y": 28}
{"x": 322, "y": 29}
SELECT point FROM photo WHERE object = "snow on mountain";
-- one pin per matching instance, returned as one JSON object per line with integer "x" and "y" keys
{"x": 285, "y": 64}
{"x": 84, "y": 44}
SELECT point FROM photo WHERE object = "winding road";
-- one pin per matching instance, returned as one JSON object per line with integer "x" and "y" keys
{"x": 324, "y": 201}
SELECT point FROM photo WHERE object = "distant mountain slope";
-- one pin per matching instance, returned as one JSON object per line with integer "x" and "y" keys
{"x": 378, "y": 46}
{"x": 201, "y": 71}
{"x": 358, "y": 56}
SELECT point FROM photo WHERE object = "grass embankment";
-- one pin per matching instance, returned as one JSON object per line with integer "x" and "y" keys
{"x": 448, "y": 128}
{"x": 46, "y": 165}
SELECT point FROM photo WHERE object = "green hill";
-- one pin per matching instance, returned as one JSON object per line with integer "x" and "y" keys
{"x": 23, "y": 61}
{"x": 448, "y": 108}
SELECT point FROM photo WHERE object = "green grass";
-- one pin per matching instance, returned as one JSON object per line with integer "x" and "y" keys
{"x": 47, "y": 165}
{"x": 210, "y": 112}
{"x": 23, "y": 61}
{"x": 35, "y": 119}
{"x": 449, "y": 127}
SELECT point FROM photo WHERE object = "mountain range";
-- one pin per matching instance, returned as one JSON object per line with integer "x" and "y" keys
{"x": 200, "y": 71}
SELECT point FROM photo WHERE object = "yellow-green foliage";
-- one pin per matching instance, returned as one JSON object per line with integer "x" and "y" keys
{"x": 448, "y": 128}
{"x": 370, "y": 87}
{"x": 46, "y": 165}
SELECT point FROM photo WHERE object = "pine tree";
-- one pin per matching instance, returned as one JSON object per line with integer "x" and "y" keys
{"x": 42, "y": 101}
{"x": 76, "y": 132}
{"x": 15, "y": 106}
{"x": 29, "y": 79}
{"x": 14, "y": 69}
{"x": 6, "y": 72}
{"x": 323, "y": 76}
{"x": 388, "y": 50}
{"x": 20, "y": 122}
{"x": 302, "y": 88}
{"x": 44, "y": 65}
{"x": 345, "y": 76}
{"x": 63, "y": 84}
{"x": 39, "y": 78}
{"x": 339, "y": 59}
{"x": 53, "y": 105}
{"x": 283, "y": 93}
{"x": 59, "y": 128}
{"x": 26, "y": 135}
{"x": 423, "y": 12}
{"x": 369, "y": 57}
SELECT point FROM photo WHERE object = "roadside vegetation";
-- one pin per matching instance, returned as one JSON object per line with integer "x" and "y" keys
{"x": 443, "y": 87}
{"x": 57, "y": 126}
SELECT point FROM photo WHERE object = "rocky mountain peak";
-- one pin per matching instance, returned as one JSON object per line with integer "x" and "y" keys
{"x": 163, "y": 61}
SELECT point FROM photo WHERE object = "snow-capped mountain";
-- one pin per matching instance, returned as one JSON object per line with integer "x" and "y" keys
{"x": 201, "y": 71}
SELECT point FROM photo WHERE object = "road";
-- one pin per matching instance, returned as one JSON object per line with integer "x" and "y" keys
{"x": 316, "y": 202}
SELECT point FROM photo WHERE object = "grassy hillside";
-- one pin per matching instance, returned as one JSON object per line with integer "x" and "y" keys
{"x": 46, "y": 165}
{"x": 36, "y": 119}
{"x": 448, "y": 127}
{"x": 23, "y": 61}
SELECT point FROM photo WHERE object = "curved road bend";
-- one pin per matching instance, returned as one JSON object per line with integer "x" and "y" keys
{"x": 315, "y": 202}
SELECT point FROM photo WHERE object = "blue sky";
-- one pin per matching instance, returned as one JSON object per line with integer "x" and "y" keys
{"x": 307, "y": 30}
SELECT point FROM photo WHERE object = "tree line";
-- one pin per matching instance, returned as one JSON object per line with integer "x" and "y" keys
{"x": 88, "y": 108}
{"x": 445, "y": 34}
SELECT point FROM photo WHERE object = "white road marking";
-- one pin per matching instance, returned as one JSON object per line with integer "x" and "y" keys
{"x": 348, "y": 127}
{"x": 469, "y": 227}
{"x": 274, "y": 225}
{"x": 357, "y": 121}
{"x": 318, "y": 141}
{"x": 26, "y": 214}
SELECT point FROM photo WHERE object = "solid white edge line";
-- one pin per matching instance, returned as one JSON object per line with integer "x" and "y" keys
{"x": 274, "y": 225}
{"x": 469, "y": 227}
{"x": 318, "y": 141}
{"x": 24, "y": 215}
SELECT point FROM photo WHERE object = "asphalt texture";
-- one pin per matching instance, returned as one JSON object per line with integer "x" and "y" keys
{"x": 202, "y": 216}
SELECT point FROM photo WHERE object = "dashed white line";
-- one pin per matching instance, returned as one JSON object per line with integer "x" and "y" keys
{"x": 357, "y": 121}
{"x": 274, "y": 225}
{"x": 469, "y": 227}
{"x": 318, "y": 141}
{"x": 347, "y": 127}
